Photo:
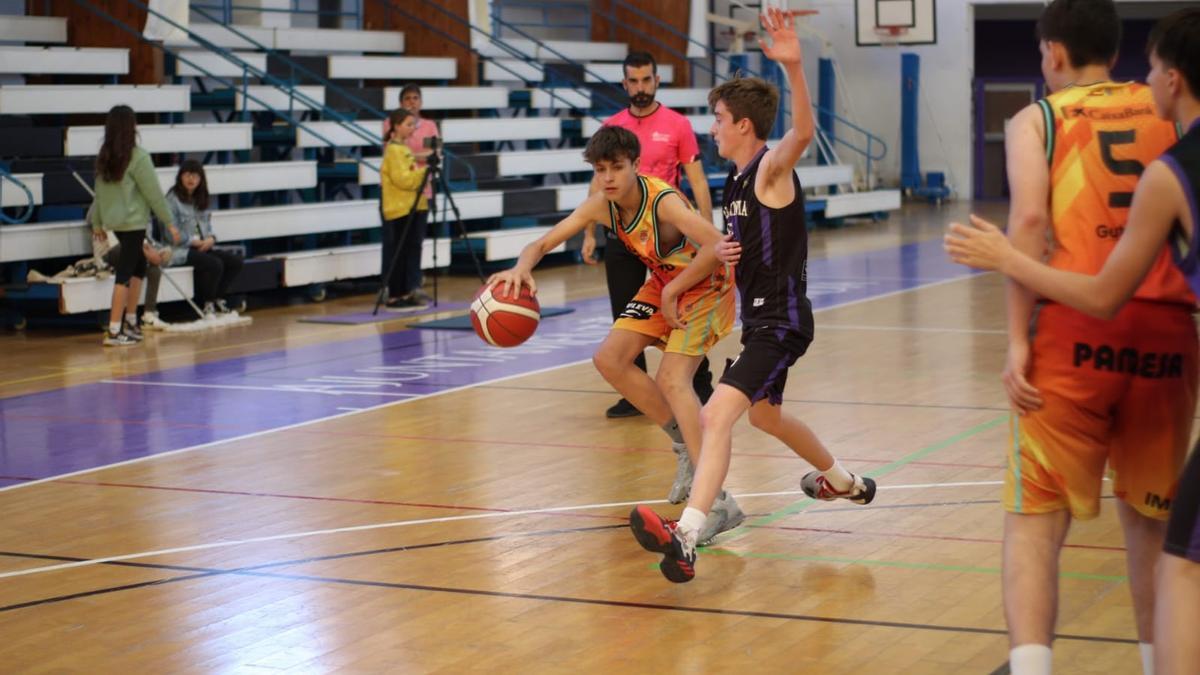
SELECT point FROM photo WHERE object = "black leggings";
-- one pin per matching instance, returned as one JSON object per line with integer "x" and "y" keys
{"x": 213, "y": 271}
{"x": 132, "y": 261}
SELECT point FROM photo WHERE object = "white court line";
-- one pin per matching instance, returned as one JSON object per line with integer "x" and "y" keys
{"x": 422, "y": 521}
{"x": 305, "y": 423}
{"x": 910, "y": 329}
{"x": 281, "y": 389}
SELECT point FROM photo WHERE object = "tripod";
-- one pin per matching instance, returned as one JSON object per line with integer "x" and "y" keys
{"x": 435, "y": 176}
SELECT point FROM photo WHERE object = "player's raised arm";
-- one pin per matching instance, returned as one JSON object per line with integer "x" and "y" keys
{"x": 593, "y": 209}
{"x": 785, "y": 50}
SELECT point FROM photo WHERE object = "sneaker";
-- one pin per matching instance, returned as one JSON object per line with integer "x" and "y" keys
{"x": 423, "y": 297}
{"x": 622, "y": 408}
{"x": 221, "y": 307}
{"x": 118, "y": 340}
{"x": 724, "y": 516}
{"x": 684, "y": 472}
{"x": 407, "y": 303}
{"x": 132, "y": 330}
{"x": 150, "y": 321}
{"x": 659, "y": 535}
{"x": 210, "y": 310}
{"x": 816, "y": 486}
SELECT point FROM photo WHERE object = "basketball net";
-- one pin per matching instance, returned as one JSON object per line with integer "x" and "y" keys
{"x": 890, "y": 36}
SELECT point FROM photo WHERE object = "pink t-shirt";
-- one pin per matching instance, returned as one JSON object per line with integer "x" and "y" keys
{"x": 425, "y": 129}
{"x": 667, "y": 141}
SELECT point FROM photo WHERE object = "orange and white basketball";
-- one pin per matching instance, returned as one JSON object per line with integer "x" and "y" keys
{"x": 504, "y": 321}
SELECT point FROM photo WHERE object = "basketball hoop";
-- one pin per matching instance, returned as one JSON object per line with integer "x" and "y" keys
{"x": 890, "y": 36}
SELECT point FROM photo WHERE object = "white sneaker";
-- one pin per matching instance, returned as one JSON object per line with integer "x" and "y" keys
{"x": 118, "y": 340}
{"x": 724, "y": 516}
{"x": 684, "y": 472}
{"x": 150, "y": 321}
{"x": 210, "y": 312}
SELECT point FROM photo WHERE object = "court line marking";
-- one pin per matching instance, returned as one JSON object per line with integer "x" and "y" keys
{"x": 255, "y": 434}
{"x": 281, "y": 389}
{"x": 910, "y": 329}
{"x": 420, "y": 521}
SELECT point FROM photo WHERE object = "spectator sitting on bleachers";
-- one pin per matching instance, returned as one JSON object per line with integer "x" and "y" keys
{"x": 126, "y": 191}
{"x": 214, "y": 269}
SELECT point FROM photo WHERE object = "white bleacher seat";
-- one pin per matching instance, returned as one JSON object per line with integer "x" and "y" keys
{"x": 452, "y": 98}
{"x": 614, "y": 72}
{"x": 338, "y": 134}
{"x": 682, "y": 98}
{"x": 578, "y": 50}
{"x": 473, "y": 205}
{"x": 226, "y": 179}
{"x": 45, "y": 240}
{"x": 571, "y": 196}
{"x": 535, "y": 162}
{"x": 90, "y": 294}
{"x": 563, "y": 97}
{"x": 221, "y": 36}
{"x": 491, "y": 50}
{"x": 264, "y": 97}
{"x": 506, "y": 244}
{"x": 210, "y": 64}
{"x": 35, "y": 29}
{"x": 100, "y": 98}
{"x": 858, "y": 203}
{"x": 500, "y": 129}
{"x": 85, "y": 141}
{"x": 301, "y": 268}
{"x": 64, "y": 61}
{"x": 512, "y": 70}
{"x": 11, "y": 195}
{"x": 339, "y": 40}
{"x": 345, "y": 67}
{"x": 294, "y": 219}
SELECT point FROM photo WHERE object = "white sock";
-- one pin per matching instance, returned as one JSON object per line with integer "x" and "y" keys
{"x": 1029, "y": 660}
{"x": 691, "y": 522}
{"x": 1147, "y": 649}
{"x": 838, "y": 477}
{"x": 114, "y": 328}
{"x": 131, "y": 319}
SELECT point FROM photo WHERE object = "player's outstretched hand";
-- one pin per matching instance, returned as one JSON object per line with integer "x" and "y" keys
{"x": 510, "y": 282}
{"x": 728, "y": 250}
{"x": 785, "y": 44}
{"x": 980, "y": 245}
{"x": 588, "y": 250}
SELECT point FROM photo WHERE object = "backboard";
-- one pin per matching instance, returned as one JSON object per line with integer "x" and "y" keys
{"x": 883, "y": 23}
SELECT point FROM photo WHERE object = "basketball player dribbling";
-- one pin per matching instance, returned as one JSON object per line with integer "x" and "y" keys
{"x": 684, "y": 308}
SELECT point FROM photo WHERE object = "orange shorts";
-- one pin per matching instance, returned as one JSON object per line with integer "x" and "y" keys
{"x": 706, "y": 310}
{"x": 1121, "y": 392}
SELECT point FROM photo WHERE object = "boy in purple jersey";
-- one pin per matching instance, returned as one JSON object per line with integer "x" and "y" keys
{"x": 764, "y": 205}
{"x": 1164, "y": 210}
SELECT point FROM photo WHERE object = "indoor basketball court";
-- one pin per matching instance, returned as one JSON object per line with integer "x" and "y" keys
{"x": 299, "y": 496}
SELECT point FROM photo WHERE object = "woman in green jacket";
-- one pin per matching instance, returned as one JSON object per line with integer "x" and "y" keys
{"x": 127, "y": 190}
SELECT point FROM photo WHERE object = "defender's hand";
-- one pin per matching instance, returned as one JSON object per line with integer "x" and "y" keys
{"x": 728, "y": 250}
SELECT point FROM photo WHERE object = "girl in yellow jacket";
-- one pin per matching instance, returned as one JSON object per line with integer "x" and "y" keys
{"x": 405, "y": 213}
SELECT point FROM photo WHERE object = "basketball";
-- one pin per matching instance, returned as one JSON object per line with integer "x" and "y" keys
{"x": 504, "y": 321}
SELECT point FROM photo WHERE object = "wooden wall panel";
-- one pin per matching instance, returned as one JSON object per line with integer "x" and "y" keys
{"x": 421, "y": 41}
{"x": 631, "y": 27}
{"x": 86, "y": 29}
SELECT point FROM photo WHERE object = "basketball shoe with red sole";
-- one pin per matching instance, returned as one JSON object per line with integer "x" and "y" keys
{"x": 659, "y": 535}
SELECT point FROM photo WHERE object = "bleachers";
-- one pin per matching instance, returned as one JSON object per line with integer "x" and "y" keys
{"x": 391, "y": 68}
{"x": 325, "y": 40}
{"x": 85, "y": 141}
{"x": 63, "y": 61}
{"x": 42, "y": 99}
{"x": 452, "y": 98}
{"x": 33, "y": 29}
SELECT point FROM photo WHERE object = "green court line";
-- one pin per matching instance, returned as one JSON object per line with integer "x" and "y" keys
{"x": 883, "y": 470}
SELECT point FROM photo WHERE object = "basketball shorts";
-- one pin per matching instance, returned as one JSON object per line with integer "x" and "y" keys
{"x": 1120, "y": 392}
{"x": 1183, "y": 530}
{"x": 707, "y": 313}
{"x": 760, "y": 371}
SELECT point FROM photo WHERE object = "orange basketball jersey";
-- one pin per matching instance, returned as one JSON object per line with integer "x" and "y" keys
{"x": 641, "y": 237}
{"x": 1099, "y": 139}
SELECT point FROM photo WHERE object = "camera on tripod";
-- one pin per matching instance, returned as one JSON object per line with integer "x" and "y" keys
{"x": 435, "y": 144}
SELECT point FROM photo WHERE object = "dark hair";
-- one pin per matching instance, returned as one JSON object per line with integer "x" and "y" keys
{"x": 750, "y": 98}
{"x": 120, "y": 135}
{"x": 637, "y": 60}
{"x": 1176, "y": 41}
{"x": 199, "y": 197}
{"x": 1089, "y": 29}
{"x": 408, "y": 89}
{"x": 610, "y": 144}
{"x": 395, "y": 119}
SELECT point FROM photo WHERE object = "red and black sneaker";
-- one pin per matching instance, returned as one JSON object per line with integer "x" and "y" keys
{"x": 659, "y": 535}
